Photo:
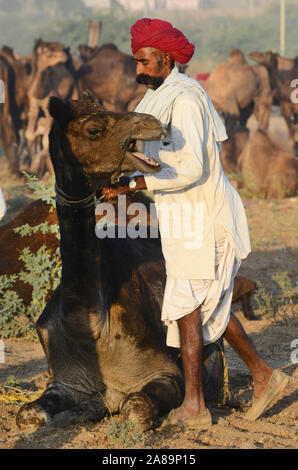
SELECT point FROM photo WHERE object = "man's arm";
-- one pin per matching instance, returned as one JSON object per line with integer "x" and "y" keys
{"x": 190, "y": 128}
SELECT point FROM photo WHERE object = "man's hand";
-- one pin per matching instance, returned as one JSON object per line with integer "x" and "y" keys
{"x": 111, "y": 192}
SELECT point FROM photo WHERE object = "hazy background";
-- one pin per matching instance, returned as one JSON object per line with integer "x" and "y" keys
{"x": 214, "y": 26}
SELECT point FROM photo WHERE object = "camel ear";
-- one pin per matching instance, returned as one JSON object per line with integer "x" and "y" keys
{"x": 60, "y": 111}
{"x": 89, "y": 97}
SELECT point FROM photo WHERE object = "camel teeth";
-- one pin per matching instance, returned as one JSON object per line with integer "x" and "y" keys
{"x": 151, "y": 160}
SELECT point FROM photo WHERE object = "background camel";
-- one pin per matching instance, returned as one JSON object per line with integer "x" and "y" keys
{"x": 232, "y": 148}
{"x": 6, "y": 125}
{"x": 233, "y": 86}
{"x": 52, "y": 75}
{"x": 13, "y": 118}
{"x": 281, "y": 81}
{"x": 267, "y": 168}
{"x": 105, "y": 71}
{"x": 111, "y": 76}
{"x": 284, "y": 64}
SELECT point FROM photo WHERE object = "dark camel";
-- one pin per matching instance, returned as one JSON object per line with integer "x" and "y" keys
{"x": 101, "y": 329}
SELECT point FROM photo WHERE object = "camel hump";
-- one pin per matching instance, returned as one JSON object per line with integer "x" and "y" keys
{"x": 108, "y": 45}
{"x": 8, "y": 50}
{"x": 237, "y": 57}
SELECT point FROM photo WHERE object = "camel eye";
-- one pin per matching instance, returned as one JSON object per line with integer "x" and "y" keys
{"x": 93, "y": 132}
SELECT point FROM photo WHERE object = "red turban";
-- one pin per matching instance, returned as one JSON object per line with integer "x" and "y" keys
{"x": 162, "y": 36}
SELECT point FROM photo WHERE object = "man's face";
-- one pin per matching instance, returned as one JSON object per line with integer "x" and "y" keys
{"x": 153, "y": 66}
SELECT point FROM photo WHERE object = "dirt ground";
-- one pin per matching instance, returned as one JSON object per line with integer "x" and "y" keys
{"x": 276, "y": 429}
{"x": 273, "y": 229}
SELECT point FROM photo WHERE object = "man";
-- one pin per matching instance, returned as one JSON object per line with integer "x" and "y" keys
{"x": 200, "y": 274}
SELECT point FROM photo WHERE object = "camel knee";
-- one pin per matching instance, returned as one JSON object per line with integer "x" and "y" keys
{"x": 32, "y": 414}
{"x": 139, "y": 408}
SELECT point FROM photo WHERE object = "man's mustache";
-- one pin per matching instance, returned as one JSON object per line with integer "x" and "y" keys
{"x": 149, "y": 80}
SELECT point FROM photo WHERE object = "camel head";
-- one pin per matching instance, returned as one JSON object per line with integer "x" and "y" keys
{"x": 48, "y": 54}
{"x": 86, "y": 52}
{"x": 263, "y": 58}
{"x": 104, "y": 143}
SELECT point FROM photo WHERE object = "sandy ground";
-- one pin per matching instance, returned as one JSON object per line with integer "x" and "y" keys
{"x": 273, "y": 228}
{"x": 276, "y": 429}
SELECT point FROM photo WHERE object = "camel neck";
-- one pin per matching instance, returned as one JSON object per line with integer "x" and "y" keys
{"x": 34, "y": 81}
{"x": 79, "y": 246}
{"x": 80, "y": 254}
{"x": 275, "y": 80}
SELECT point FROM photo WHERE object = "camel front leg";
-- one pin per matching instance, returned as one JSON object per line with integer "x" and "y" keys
{"x": 32, "y": 120}
{"x": 40, "y": 162}
{"x": 61, "y": 406}
{"x": 155, "y": 399}
{"x": 286, "y": 111}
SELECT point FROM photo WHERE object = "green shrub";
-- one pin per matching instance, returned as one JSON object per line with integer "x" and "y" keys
{"x": 126, "y": 434}
{"x": 42, "y": 271}
{"x": 281, "y": 307}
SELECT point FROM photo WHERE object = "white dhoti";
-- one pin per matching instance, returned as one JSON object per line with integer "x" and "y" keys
{"x": 183, "y": 296}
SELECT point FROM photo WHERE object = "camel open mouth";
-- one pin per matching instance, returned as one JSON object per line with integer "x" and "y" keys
{"x": 134, "y": 148}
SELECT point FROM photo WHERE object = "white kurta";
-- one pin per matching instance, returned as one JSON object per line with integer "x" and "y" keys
{"x": 195, "y": 202}
{"x": 3, "y": 208}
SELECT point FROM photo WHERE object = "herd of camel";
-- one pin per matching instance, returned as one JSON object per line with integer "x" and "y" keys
{"x": 267, "y": 166}
{"x": 238, "y": 90}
